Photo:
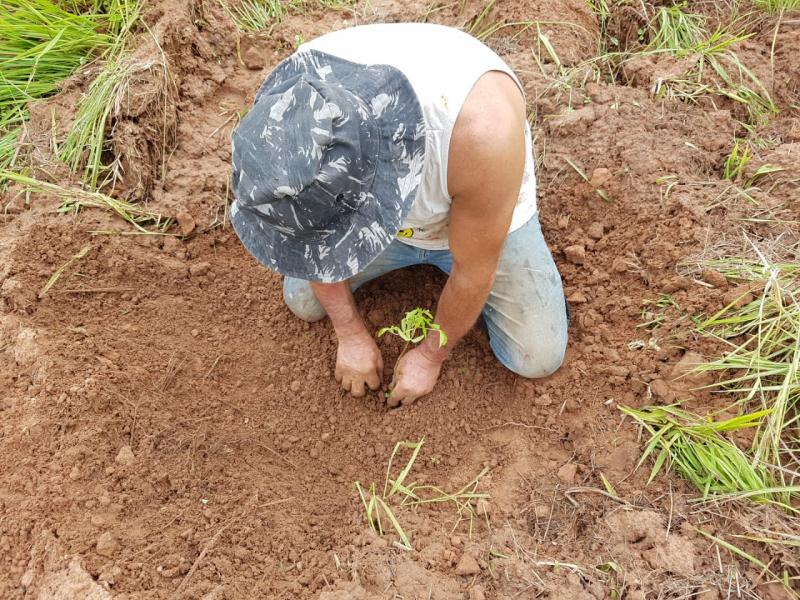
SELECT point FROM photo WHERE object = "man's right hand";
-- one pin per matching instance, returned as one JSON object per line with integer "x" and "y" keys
{"x": 359, "y": 363}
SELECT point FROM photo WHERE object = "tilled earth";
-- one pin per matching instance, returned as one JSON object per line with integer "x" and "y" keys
{"x": 170, "y": 430}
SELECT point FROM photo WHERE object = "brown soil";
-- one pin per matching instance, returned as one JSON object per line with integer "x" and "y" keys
{"x": 175, "y": 432}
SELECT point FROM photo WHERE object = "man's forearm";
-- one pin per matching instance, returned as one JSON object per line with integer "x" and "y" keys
{"x": 462, "y": 299}
{"x": 338, "y": 302}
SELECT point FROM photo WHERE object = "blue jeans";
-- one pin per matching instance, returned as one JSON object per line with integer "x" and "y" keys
{"x": 525, "y": 312}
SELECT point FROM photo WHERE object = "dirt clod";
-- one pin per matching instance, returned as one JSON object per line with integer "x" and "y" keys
{"x": 715, "y": 278}
{"x": 467, "y": 565}
{"x": 477, "y": 593}
{"x": 568, "y": 472}
{"x": 186, "y": 222}
{"x": 125, "y": 456}
{"x": 600, "y": 177}
{"x": 575, "y": 254}
{"x": 199, "y": 268}
{"x": 595, "y": 231}
{"x": 107, "y": 544}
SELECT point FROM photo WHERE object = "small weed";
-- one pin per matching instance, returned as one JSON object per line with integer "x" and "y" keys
{"x": 737, "y": 160}
{"x": 654, "y": 311}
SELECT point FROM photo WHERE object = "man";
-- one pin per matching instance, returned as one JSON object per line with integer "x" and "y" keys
{"x": 383, "y": 146}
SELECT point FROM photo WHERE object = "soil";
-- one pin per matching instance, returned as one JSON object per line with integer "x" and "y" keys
{"x": 169, "y": 430}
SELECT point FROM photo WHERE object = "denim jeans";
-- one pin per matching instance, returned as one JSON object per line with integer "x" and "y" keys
{"x": 525, "y": 313}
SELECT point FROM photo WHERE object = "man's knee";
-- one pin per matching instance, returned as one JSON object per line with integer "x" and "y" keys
{"x": 535, "y": 363}
{"x": 300, "y": 299}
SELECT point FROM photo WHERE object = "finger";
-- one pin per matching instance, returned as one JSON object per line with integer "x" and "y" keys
{"x": 338, "y": 373}
{"x": 391, "y": 402}
{"x": 396, "y": 397}
{"x": 409, "y": 399}
{"x": 346, "y": 381}
{"x": 357, "y": 388}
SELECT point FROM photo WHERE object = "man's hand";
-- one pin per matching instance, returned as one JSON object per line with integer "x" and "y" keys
{"x": 415, "y": 376}
{"x": 359, "y": 363}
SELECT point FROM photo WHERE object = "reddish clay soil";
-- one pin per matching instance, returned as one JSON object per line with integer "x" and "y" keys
{"x": 175, "y": 433}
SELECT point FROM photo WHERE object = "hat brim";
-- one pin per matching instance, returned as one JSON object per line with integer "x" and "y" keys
{"x": 362, "y": 235}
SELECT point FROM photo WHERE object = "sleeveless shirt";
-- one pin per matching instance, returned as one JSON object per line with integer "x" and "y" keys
{"x": 442, "y": 64}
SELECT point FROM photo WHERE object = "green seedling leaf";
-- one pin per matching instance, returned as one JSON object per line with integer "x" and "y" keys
{"x": 414, "y": 327}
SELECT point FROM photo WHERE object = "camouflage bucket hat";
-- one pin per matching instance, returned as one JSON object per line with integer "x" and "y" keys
{"x": 326, "y": 165}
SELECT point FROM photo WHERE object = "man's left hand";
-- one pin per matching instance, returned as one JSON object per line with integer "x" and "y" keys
{"x": 415, "y": 376}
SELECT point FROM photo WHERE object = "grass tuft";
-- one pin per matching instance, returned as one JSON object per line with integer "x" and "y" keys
{"x": 698, "y": 450}
{"x": 43, "y": 42}
{"x": 85, "y": 144}
{"x": 762, "y": 364}
{"x": 675, "y": 30}
{"x": 257, "y": 15}
{"x": 262, "y": 15}
{"x": 777, "y": 6}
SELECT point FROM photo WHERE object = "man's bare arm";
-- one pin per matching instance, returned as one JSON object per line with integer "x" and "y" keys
{"x": 480, "y": 218}
{"x": 486, "y": 163}
{"x": 358, "y": 359}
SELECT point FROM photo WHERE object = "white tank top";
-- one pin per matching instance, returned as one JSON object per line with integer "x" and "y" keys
{"x": 442, "y": 64}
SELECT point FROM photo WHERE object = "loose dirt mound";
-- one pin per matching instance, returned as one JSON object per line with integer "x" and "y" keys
{"x": 170, "y": 430}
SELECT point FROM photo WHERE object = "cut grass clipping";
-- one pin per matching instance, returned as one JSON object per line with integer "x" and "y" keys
{"x": 729, "y": 76}
{"x": 761, "y": 371}
{"x": 398, "y": 492}
{"x": 60, "y": 271}
{"x": 145, "y": 221}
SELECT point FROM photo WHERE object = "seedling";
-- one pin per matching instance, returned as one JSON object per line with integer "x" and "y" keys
{"x": 414, "y": 328}
{"x": 377, "y": 509}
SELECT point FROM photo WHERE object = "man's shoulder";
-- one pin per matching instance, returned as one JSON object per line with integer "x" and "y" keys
{"x": 488, "y": 133}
